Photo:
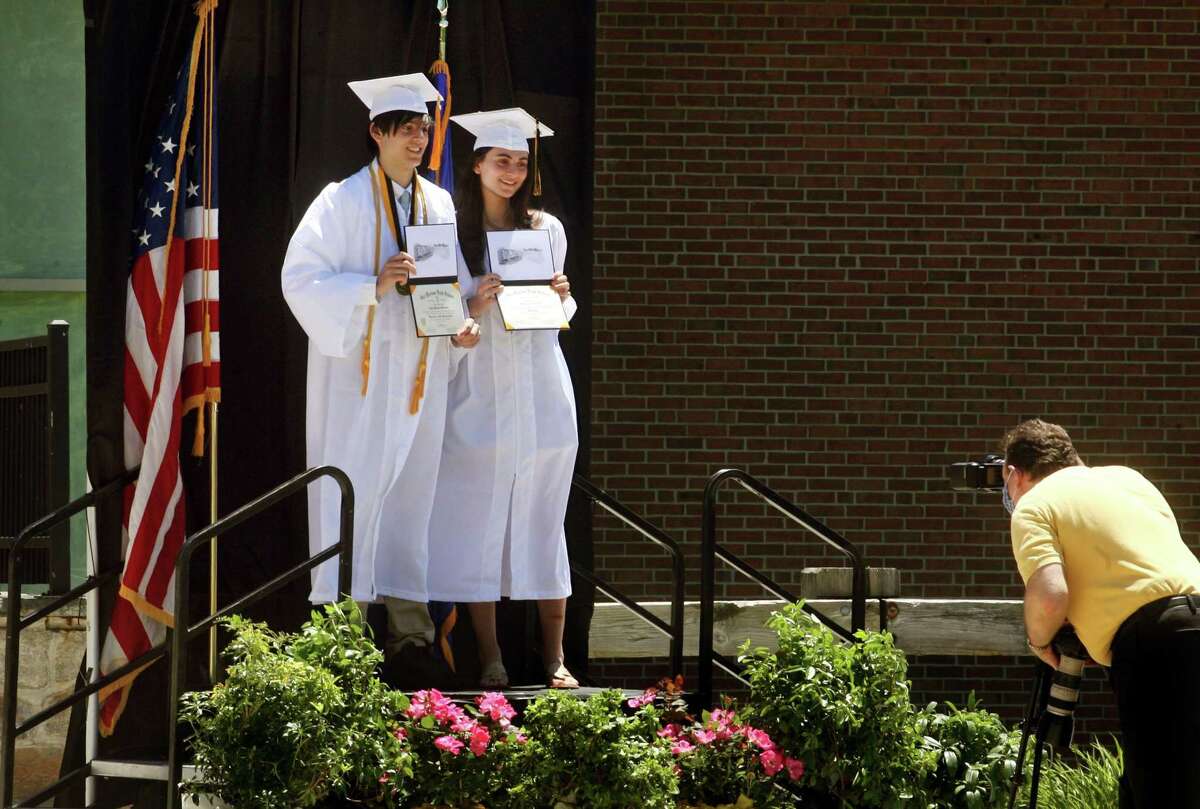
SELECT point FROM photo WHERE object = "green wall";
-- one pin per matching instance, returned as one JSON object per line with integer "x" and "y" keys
{"x": 42, "y": 164}
{"x": 42, "y": 140}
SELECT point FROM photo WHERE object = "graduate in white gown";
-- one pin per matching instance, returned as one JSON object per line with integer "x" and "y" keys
{"x": 511, "y": 434}
{"x": 376, "y": 393}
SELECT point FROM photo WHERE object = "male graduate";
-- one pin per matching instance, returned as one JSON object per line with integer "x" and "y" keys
{"x": 376, "y": 391}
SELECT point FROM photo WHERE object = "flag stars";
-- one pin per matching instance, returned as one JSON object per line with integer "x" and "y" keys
{"x": 169, "y": 146}
{"x": 170, "y": 186}
{"x": 157, "y": 210}
{"x": 149, "y": 166}
{"x": 192, "y": 150}
{"x": 193, "y": 190}
{"x": 157, "y": 169}
{"x": 144, "y": 238}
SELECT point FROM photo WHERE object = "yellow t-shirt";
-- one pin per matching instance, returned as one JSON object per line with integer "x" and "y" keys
{"x": 1118, "y": 543}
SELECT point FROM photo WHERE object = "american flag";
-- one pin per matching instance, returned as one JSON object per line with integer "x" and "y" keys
{"x": 172, "y": 361}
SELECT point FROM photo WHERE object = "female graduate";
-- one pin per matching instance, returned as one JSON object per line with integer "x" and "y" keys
{"x": 511, "y": 436}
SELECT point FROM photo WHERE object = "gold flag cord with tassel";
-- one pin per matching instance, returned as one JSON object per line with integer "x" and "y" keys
{"x": 209, "y": 395}
{"x": 205, "y": 10}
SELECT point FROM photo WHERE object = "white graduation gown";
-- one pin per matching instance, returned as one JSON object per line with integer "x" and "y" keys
{"x": 390, "y": 456}
{"x": 507, "y": 462}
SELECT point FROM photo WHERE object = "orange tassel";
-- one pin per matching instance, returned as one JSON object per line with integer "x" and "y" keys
{"x": 418, "y": 391}
{"x": 537, "y": 171}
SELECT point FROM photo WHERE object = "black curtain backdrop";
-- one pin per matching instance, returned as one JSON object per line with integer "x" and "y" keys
{"x": 288, "y": 125}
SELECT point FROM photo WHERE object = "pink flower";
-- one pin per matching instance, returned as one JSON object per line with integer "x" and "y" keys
{"x": 646, "y": 698}
{"x": 496, "y": 707}
{"x": 760, "y": 738}
{"x": 449, "y": 744}
{"x": 479, "y": 740}
{"x": 795, "y": 768}
{"x": 463, "y": 724}
{"x": 400, "y": 733}
{"x": 670, "y": 731}
{"x": 704, "y": 736}
{"x": 682, "y": 746}
{"x": 723, "y": 722}
{"x": 383, "y": 779}
{"x": 771, "y": 760}
{"x": 720, "y": 717}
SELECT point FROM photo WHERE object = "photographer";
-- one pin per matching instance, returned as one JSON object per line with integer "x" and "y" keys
{"x": 1098, "y": 547}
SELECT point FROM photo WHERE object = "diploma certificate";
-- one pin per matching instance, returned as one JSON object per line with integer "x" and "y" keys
{"x": 525, "y": 305}
{"x": 437, "y": 303}
{"x": 523, "y": 260}
{"x": 437, "y": 308}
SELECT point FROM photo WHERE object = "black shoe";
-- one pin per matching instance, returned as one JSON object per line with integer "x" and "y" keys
{"x": 416, "y": 667}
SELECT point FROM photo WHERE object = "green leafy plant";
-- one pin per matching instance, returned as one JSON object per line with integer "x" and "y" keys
{"x": 590, "y": 753}
{"x": 721, "y": 761}
{"x": 843, "y": 709}
{"x": 300, "y": 719}
{"x": 459, "y": 754}
{"x": 377, "y": 763}
{"x": 267, "y": 737}
{"x": 974, "y": 756}
{"x": 1091, "y": 781}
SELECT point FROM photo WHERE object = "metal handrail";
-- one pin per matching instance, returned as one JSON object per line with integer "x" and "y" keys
{"x": 674, "y": 630}
{"x": 12, "y": 639}
{"x": 711, "y": 551}
{"x": 185, "y": 631}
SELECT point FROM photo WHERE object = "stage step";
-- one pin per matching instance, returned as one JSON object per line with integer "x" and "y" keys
{"x": 521, "y": 694}
{"x": 136, "y": 770}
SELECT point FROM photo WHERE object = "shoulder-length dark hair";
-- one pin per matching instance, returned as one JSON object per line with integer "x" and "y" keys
{"x": 468, "y": 207}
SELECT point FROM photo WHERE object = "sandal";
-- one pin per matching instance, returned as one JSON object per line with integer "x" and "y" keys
{"x": 561, "y": 678}
{"x": 494, "y": 675}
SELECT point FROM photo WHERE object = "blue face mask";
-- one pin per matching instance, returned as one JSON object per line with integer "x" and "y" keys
{"x": 1009, "y": 505}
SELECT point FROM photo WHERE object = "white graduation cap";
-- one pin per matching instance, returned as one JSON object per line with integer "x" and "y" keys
{"x": 505, "y": 129}
{"x": 410, "y": 92}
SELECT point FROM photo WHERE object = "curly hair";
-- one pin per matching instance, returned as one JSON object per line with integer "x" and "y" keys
{"x": 1039, "y": 448}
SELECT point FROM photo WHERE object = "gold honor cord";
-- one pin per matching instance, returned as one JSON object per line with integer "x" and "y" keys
{"x": 380, "y": 186}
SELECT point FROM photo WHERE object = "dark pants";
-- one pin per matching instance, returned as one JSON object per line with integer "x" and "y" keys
{"x": 1156, "y": 675}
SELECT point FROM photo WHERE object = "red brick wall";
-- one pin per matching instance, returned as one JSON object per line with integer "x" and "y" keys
{"x": 843, "y": 245}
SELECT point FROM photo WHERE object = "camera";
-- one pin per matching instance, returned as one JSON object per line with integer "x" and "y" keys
{"x": 986, "y": 474}
{"x": 1058, "y": 721}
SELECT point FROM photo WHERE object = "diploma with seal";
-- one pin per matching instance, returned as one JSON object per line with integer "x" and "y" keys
{"x": 523, "y": 260}
{"x": 436, "y": 299}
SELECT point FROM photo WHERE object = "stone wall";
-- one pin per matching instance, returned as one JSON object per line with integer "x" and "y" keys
{"x": 51, "y": 652}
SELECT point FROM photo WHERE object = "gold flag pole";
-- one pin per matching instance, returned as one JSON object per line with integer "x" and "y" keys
{"x": 212, "y": 556}
{"x": 213, "y": 401}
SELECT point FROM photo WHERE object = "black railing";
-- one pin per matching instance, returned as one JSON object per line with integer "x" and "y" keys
{"x": 34, "y": 452}
{"x": 185, "y": 631}
{"x": 178, "y": 639}
{"x": 711, "y": 551}
{"x": 12, "y": 640}
{"x": 674, "y": 630}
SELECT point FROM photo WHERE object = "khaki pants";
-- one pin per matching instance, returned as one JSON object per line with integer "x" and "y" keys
{"x": 409, "y": 623}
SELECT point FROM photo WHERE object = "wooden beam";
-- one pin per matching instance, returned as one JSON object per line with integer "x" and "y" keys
{"x": 930, "y": 626}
